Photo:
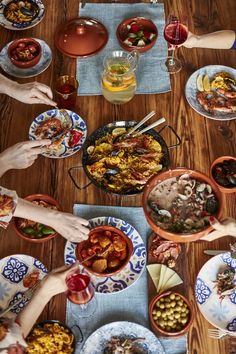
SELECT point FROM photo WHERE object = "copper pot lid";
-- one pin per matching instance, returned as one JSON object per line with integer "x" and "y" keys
{"x": 81, "y": 37}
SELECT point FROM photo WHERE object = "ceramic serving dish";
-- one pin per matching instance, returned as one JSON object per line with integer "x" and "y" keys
{"x": 222, "y": 162}
{"x": 25, "y": 52}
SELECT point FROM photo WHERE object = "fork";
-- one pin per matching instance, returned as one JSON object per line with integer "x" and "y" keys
{"x": 216, "y": 333}
{"x": 27, "y": 295}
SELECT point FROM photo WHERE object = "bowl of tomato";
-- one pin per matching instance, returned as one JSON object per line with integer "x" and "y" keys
{"x": 25, "y": 52}
{"x": 33, "y": 231}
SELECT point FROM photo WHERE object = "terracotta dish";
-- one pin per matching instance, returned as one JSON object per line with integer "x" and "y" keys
{"x": 137, "y": 33}
{"x": 24, "y": 53}
{"x": 46, "y": 232}
{"x": 111, "y": 248}
{"x": 223, "y": 174}
{"x": 178, "y": 235}
{"x": 163, "y": 325}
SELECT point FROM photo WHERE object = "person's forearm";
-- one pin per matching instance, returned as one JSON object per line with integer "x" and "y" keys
{"x": 216, "y": 40}
{"x": 29, "y": 315}
{"x": 6, "y": 85}
{"x": 3, "y": 166}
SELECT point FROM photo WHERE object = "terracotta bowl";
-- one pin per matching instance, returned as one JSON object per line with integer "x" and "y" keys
{"x": 159, "y": 330}
{"x": 217, "y": 161}
{"x": 46, "y": 198}
{"x": 144, "y": 24}
{"x": 100, "y": 229}
{"x": 34, "y": 49}
{"x": 178, "y": 237}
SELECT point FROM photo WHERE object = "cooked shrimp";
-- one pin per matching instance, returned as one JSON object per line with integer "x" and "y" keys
{"x": 228, "y": 94}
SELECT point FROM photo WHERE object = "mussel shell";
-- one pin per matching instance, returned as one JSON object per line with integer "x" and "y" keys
{"x": 212, "y": 205}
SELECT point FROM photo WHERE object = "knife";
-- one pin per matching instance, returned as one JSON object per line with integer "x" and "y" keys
{"x": 214, "y": 252}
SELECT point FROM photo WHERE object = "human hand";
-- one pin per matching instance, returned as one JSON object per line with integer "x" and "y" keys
{"x": 191, "y": 40}
{"x": 71, "y": 227}
{"x": 32, "y": 92}
{"x": 226, "y": 228}
{"x": 22, "y": 155}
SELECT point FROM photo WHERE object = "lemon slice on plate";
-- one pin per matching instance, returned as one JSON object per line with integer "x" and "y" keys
{"x": 200, "y": 83}
{"x": 206, "y": 83}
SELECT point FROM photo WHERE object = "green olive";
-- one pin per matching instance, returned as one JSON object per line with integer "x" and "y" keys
{"x": 158, "y": 313}
{"x": 177, "y": 315}
{"x": 173, "y": 304}
{"x": 172, "y": 296}
{"x": 162, "y": 306}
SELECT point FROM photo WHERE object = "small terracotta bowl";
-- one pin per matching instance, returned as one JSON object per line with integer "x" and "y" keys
{"x": 144, "y": 24}
{"x": 162, "y": 330}
{"x": 220, "y": 160}
{"x": 24, "y": 45}
{"x": 37, "y": 197}
{"x": 102, "y": 229}
{"x": 179, "y": 237}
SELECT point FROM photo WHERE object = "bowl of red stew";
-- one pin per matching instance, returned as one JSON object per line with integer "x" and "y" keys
{"x": 137, "y": 33}
{"x": 33, "y": 231}
{"x": 106, "y": 252}
{"x": 25, "y": 52}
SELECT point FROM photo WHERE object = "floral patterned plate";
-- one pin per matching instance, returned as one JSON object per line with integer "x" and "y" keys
{"x": 220, "y": 313}
{"x": 131, "y": 273}
{"x": 14, "y": 271}
{"x": 64, "y": 150}
{"x": 15, "y": 26}
{"x": 97, "y": 342}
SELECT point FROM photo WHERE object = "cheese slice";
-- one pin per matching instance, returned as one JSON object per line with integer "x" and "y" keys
{"x": 154, "y": 271}
{"x": 173, "y": 281}
{"x": 168, "y": 274}
{"x": 162, "y": 277}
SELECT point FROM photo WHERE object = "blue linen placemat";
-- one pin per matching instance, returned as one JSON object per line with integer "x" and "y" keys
{"x": 150, "y": 77}
{"x": 130, "y": 304}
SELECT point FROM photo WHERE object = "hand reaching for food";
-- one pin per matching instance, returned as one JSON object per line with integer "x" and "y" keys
{"x": 226, "y": 228}
{"x": 22, "y": 155}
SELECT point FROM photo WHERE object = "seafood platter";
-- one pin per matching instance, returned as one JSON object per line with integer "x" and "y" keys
{"x": 211, "y": 91}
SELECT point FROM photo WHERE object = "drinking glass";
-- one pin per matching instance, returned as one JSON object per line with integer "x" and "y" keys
{"x": 175, "y": 33}
{"x": 81, "y": 292}
{"x": 66, "y": 91}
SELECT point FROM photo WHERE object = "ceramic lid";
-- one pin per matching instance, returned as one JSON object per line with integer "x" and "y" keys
{"x": 81, "y": 37}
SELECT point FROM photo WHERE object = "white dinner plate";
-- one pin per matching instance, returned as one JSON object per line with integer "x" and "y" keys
{"x": 37, "y": 69}
{"x": 24, "y": 25}
{"x": 191, "y": 90}
{"x": 64, "y": 150}
{"x": 220, "y": 313}
{"x": 13, "y": 270}
{"x": 131, "y": 273}
{"x": 97, "y": 342}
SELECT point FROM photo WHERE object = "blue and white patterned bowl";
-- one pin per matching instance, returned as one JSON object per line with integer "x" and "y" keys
{"x": 24, "y": 25}
{"x": 191, "y": 90}
{"x": 97, "y": 342}
{"x": 220, "y": 313}
{"x": 131, "y": 273}
{"x": 64, "y": 149}
{"x": 13, "y": 270}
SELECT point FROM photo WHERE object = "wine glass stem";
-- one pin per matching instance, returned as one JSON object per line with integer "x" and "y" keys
{"x": 172, "y": 60}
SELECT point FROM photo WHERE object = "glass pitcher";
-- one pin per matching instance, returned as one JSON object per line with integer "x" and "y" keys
{"x": 118, "y": 78}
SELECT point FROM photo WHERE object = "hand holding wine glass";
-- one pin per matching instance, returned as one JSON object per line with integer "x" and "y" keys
{"x": 175, "y": 33}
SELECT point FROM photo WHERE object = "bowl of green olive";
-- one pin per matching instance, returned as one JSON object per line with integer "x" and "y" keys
{"x": 171, "y": 314}
{"x": 33, "y": 231}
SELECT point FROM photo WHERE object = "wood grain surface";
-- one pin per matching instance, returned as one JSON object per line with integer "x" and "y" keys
{"x": 202, "y": 141}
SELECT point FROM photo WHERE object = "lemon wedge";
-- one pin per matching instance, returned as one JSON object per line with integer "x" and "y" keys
{"x": 200, "y": 83}
{"x": 206, "y": 83}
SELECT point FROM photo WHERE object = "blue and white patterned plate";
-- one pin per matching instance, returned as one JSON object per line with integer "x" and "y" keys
{"x": 191, "y": 90}
{"x": 20, "y": 26}
{"x": 97, "y": 342}
{"x": 220, "y": 313}
{"x": 131, "y": 273}
{"x": 37, "y": 69}
{"x": 64, "y": 150}
{"x": 13, "y": 270}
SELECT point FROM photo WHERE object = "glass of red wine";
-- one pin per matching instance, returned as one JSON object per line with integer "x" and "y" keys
{"x": 66, "y": 91}
{"x": 81, "y": 292}
{"x": 175, "y": 33}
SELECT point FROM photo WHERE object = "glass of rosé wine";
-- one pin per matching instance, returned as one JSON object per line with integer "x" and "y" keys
{"x": 81, "y": 292}
{"x": 175, "y": 33}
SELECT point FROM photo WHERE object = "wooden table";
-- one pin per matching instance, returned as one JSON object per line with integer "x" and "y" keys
{"x": 202, "y": 141}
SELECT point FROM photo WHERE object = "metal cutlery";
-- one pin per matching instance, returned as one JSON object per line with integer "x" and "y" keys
{"x": 216, "y": 333}
{"x": 214, "y": 252}
{"x": 27, "y": 295}
{"x": 159, "y": 121}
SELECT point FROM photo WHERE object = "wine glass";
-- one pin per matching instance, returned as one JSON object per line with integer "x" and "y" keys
{"x": 81, "y": 292}
{"x": 175, "y": 33}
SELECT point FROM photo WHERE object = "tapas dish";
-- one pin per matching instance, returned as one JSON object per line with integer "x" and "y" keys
{"x": 223, "y": 171}
{"x": 24, "y": 72}
{"x": 137, "y": 338}
{"x": 164, "y": 251}
{"x": 130, "y": 273}
{"x": 67, "y": 131}
{"x": 18, "y": 273}
{"x": 20, "y": 15}
{"x": 24, "y": 53}
{"x": 163, "y": 277}
{"x": 215, "y": 292}
{"x": 211, "y": 91}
